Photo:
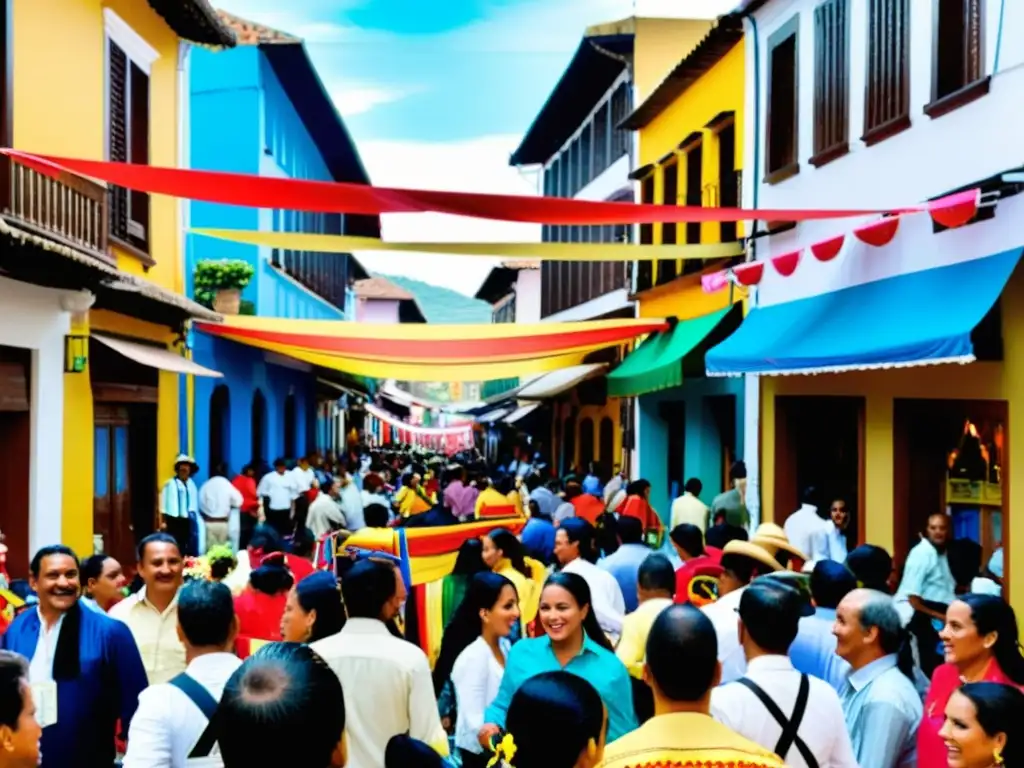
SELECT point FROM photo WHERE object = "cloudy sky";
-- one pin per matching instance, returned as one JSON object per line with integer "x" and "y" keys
{"x": 438, "y": 93}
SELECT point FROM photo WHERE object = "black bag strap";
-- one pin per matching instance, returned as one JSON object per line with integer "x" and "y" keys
{"x": 790, "y": 725}
{"x": 203, "y": 699}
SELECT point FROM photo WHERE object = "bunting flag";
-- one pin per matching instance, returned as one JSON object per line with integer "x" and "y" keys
{"x": 333, "y": 197}
{"x": 300, "y": 241}
{"x": 442, "y": 344}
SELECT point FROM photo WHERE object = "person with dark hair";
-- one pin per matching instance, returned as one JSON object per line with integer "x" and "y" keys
{"x": 741, "y": 562}
{"x": 656, "y": 583}
{"x": 556, "y": 720}
{"x": 606, "y": 535}
{"x": 460, "y": 495}
{"x": 179, "y": 504}
{"x": 102, "y": 583}
{"x": 624, "y": 563}
{"x": 82, "y": 664}
{"x": 978, "y": 721}
{"x": 682, "y": 731}
{"x": 796, "y": 716}
{"x": 585, "y": 506}
{"x": 697, "y": 577}
{"x": 313, "y": 610}
{"x": 504, "y": 554}
{"x": 387, "y": 681}
{"x": 813, "y": 652}
{"x": 880, "y": 703}
{"x": 981, "y": 644}
{"x": 730, "y": 507}
{"x": 175, "y": 721}
{"x": 376, "y": 516}
{"x": 279, "y": 492}
{"x": 638, "y": 505}
{"x": 306, "y": 488}
{"x": 405, "y": 752}
{"x": 261, "y": 605}
{"x": 245, "y": 483}
{"x": 872, "y": 566}
{"x": 576, "y": 551}
{"x": 809, "y": 527}
{"x": 838, "y": 530}
{"x": 325, "y": 512}
{"x": 927, "y": 589}
{"x": 152, "y": 612}
{"x": 538, "y": 536}
{"x": 573, "y": 641}
{"x": 689, "y": 509}
{"x": 284, "y": 706}
{"x": 473, "y": 651}
{"x": 20, "y": 732}
{"x": 219, "y": 505}
{"x": 721, "y": 533}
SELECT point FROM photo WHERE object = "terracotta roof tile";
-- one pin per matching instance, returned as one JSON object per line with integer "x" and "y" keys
{"x": 250, "y": 33}
{"x": 381, "y": 288}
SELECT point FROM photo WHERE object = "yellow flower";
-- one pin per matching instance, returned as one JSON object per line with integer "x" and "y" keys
{"x": 504, "y": 752}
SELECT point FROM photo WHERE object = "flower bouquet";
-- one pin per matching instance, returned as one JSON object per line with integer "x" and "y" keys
{"x": 215, "y": 565}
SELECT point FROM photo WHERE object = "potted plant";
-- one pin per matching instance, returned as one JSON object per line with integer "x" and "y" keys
{"x": 219, "y": 283}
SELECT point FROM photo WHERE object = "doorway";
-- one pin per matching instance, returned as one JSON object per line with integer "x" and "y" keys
{"x": 606, "y": 447}
{"x": 290, "y": 426}
{"x": 16, "y": 445}
{"x": 723, "y": 412}
{"x": 674, "y": 416}
{"x": 258, "y": 419}
{"x": 220, "y": 426}
{"x": 586, "y": 444}
{"x": 819, "y": 441}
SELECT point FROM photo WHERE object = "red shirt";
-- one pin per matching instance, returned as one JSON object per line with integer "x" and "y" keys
{"x": 259, "y": 614}
{"x": 588, "y": 507}
{"x": 247, "y": 487}
{"x": 708, "y": 564}
{"x": 299, "y": 566}
{"x": 638, "y": 507}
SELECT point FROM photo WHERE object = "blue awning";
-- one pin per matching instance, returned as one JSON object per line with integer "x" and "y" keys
{"x": 922, "y": 318}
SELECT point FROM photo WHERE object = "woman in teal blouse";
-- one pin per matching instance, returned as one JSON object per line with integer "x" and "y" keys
{"x": 573, "y": 642}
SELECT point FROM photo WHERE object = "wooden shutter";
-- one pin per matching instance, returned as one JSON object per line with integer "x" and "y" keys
{"x": 117, "y": 130}
{"x": 887, "y": 102}
{"x": 831, "y": 81}
{"x": 138, "y": 223}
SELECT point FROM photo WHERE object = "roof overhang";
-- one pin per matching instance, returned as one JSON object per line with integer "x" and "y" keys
{"x": 195, "y": 21}
{"x": 497, "y": 285}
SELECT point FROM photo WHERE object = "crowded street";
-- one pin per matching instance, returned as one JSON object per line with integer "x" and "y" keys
{"x": 510, "y": 383}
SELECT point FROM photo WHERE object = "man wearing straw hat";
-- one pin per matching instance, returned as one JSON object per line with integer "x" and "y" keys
{"x": 179, "y": 505}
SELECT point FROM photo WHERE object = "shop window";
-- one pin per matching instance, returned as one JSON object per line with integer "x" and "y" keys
{"x": 958, "y": 55}
{"x": 887, "y": 99}
{"x": 831, "y": 81}
{"x": 783, "y": 102}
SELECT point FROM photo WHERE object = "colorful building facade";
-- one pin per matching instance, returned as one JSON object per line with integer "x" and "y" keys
{"x": 262, "y": 109}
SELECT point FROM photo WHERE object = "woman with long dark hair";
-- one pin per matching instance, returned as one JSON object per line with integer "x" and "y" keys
{"x": 980, "y": 644}
{"x": 314, "y": 609}
{"x": 473, "y": 655}
{"x": 261, "y": 605}
{"x": 556, "y": 720}
{"x": 573, "y": 641}
{"x": 503, "y": 553}
{"x": 979, "y": 719}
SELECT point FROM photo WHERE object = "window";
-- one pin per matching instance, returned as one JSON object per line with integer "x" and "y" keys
{"x": 128, "y": 62}
{"x": 831, "y": 82}
{"x": 783, "y": 98}
{"x": 694, "y": 187}
{"x": 958, "y": 58}
{"x": 585, "y": 156}
{"x": 669, "y": 196}
{"x": 644, "y": 269}
{"x": 887, "y": 100}
{"x": 728, "y": 178}
{"x": 601, "y": 134}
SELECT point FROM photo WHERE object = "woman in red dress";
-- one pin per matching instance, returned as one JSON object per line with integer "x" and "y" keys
{"x": 261, "y": 605}
{"x": 980, "y": 643}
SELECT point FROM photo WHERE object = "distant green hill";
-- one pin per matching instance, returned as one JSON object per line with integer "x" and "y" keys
{"x": 443, "y": 305}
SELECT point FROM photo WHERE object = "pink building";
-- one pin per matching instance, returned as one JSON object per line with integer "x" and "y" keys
{"x": 380, "y": 301}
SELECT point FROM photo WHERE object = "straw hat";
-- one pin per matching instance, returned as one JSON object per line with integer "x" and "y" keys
{"x": 754, "y": 552}
{"x": 773, "y": 538}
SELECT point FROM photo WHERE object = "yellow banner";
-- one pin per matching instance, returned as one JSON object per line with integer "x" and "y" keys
{"x": 300, "y": 241}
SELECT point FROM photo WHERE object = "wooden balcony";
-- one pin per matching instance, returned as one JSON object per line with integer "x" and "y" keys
{"x": 69, "y": 210}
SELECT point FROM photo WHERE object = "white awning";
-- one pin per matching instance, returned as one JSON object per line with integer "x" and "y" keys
{"x": 521, "y": 412}
{"x": 155, "y": 357}
{"x": 555, "y": 383}
{"x": 492, "y": 416}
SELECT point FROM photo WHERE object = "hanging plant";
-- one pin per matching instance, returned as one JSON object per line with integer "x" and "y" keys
{"x": 219, "y": 283}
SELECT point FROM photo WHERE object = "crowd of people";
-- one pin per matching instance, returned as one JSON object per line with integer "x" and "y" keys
{"x": 596, "y": 636}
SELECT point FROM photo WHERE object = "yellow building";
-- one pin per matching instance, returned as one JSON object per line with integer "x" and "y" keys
{"x": 107, "y": 81}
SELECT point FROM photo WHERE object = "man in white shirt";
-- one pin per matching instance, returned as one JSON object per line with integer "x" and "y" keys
{"x": 386, "y": 679}
{"x": 576, "y": 551}
{"x": 278, "y": 491}
{"x": 796, "y": 716}
{"x": 172, "y": 726}
{"x": 179, "y": 502}
{"x": 219, "y": 502}
{"x": 304, "y": 478}
{"x": 808, "y": 530}
{"x": 688, "y": 508}
{"x": 741, "y": 562}
{"x": 325, "y": 514}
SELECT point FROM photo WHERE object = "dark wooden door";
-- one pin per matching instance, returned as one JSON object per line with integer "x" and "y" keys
{"x": 112, "y": 509}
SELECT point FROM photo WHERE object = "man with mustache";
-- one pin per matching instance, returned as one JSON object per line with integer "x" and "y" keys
{"x": 152, "y": 613}
{"x": 85, "y": 671}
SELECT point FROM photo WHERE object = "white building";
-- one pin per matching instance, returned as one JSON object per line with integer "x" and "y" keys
{"x": 875, "y": 105}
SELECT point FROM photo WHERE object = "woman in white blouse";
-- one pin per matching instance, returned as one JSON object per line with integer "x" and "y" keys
{"x": 474, "y": 648}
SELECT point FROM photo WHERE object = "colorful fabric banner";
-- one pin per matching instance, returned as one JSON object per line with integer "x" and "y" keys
{"x": 330, "y": 197}
{"x": 300, "y": 241}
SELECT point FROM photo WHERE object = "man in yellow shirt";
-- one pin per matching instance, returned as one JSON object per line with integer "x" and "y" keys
{"x": 688, "y": 508}
{"x": 682, "y": 731}
{"x": 656, "y": 587}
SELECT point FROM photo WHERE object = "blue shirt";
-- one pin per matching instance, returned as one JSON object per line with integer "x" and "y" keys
{"x": 88, "y": 706}
{"x": 538, "y": 539}
{"x": 624, "y": 565}
{"x": 882, "y": 711}
{"x": 595, "y": 664}
{"x": 813, "y": 652}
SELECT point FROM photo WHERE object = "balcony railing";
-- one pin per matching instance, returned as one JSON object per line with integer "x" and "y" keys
{"x": 70, "y": 210}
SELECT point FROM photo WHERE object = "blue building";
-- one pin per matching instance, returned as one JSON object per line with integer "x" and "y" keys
{"x": 261, "y": 108}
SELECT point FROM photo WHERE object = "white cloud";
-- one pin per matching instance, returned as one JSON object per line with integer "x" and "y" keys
{"x": 357, "y": 100}
{"x": 477, "y": 165}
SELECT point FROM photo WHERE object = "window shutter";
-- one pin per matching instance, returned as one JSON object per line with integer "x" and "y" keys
{"x": 138, "y": 147}
{"x": 117, "y": 140}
